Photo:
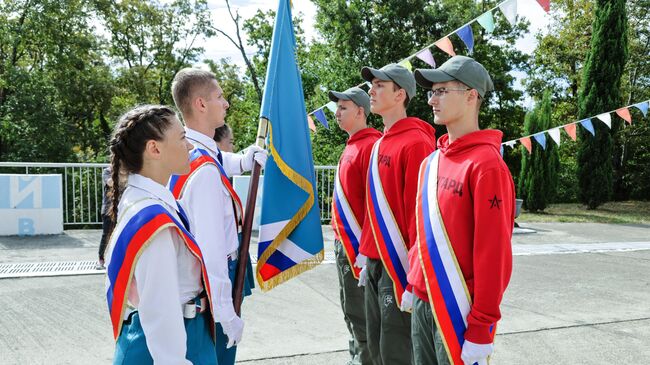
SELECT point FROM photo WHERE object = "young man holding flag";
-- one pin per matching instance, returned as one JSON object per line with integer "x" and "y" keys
{"x": 390, "y": 190}
{"x": 462, "y": 261}
{"x": 213, "y": 207}
{"x": 349, "y": 211}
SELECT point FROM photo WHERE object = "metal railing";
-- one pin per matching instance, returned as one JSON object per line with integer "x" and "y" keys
{"x": 83, "y": 188}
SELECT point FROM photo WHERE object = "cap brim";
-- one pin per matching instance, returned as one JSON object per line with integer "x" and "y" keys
{"x": 370, "y": 74}
{"x": 336, "y": 96}
{"x": 426, "y": 78}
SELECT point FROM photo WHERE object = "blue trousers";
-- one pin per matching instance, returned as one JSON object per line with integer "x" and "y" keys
{"x": 227, "y": 356}
{"x": 131, "y": 347}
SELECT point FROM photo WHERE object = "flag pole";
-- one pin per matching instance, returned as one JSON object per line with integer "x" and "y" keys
{"x": 249, "y": 213}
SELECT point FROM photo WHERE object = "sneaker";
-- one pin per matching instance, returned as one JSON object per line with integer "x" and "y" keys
{"x": 100, "y": 265}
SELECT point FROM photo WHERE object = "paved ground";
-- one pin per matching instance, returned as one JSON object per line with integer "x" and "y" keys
{"x": 584, "y": 308}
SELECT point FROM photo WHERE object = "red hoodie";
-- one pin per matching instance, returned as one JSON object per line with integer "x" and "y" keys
{"x": 477, "y": 199}
{"x": 353, "y": 170}
{"x": 405, "y": 145}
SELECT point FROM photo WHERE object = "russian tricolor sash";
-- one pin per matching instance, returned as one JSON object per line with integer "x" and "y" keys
{"x": 129, "y": 239}
{"x": 388, "y": 238}
{"x": 346, "y": 224}
{"x": 198, "y": 158}
{"x": 446, "y": 287}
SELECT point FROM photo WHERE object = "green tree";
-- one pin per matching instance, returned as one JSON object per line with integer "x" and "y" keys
{"x": 539, "y": 169}
{"x": 149, "y": 42}
{"x": 52, "y": 85}
{"x": 601, "y": 91}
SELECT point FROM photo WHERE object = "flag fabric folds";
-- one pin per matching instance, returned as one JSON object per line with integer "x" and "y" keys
{"x": 291, "y": 240}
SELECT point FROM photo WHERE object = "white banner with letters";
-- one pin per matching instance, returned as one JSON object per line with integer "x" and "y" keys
{"x": 30, "y": 205}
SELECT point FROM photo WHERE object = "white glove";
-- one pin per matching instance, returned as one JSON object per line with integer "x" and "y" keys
{"x": 253, "y": 153}
{"x": 234, "y": 329}
{"x": 360, "y": 262}
{"x": 476, "y": 353}
{"x": 407, "y": 301}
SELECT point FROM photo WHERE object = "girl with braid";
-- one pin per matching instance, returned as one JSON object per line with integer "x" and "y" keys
{"x": 156, "y": 288}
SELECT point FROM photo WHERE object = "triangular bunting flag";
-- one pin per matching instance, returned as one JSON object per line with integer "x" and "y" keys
{"x": 406, "y": 63}
{"x": 509, "y": 10}
{"x": 486, "y": 20}
{"x": 643, "y": 107}
{"x": 546, "y": 5}
{"x": 465, "y": 33}
{"x": 310, "y": 123}
{"x": 501, "y": 149}
{"x": 511, "y": 144}
{"x": 445, "y": 45}
{"x": 625, "y": 114}
{"x": 555, "y": 135}
{"x": 541, "y": 139}
{"x": 605, "y": 118}
{"x": 331, "y": 106}
{"x": 526, "y": 142}
{"x": 586, "y": 123}
{"x": 320, "y": 115}
{"x": 571, "y": 130}
{"x": 426, "y": 56}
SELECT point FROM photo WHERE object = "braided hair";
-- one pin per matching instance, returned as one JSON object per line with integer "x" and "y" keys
{"x": 132, "y": 131}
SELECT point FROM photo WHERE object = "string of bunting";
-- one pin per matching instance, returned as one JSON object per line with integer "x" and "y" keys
{"x": 486, "y": 20}
{"x": 570, "y": 128}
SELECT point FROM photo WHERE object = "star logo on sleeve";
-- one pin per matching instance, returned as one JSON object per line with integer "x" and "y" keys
{"x": 494, "y": 202}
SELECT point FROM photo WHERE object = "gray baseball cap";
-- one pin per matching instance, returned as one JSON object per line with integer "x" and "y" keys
{"x": 400, "y": 75}
{"x": 460, "y": 68}
{"x": 355, "y": 94}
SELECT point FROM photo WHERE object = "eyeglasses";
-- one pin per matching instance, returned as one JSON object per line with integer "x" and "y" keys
{"x": 442, "y": 91}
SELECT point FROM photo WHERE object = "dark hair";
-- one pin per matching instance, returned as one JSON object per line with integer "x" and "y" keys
{"x": 407, "y": 100}
{"x": 221, "y": 133}
{"x": 186, "y": 84}
{"x": 132, "y": 131}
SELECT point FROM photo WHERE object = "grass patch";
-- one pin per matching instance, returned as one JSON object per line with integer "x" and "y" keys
{"x": 627, "y": 212}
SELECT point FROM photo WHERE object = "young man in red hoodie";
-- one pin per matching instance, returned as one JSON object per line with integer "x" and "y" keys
{"x": 390, "y": 202}
{"x": 462, "y": 261}
{"x": 349, "y": 210}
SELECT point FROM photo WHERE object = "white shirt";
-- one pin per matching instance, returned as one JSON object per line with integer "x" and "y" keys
{"x": 166, "y": 275}
{"x": 209, "y": 207}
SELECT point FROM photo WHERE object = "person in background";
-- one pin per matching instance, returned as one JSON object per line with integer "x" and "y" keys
{"x": 106, "y": 220}
{"x": 225, "y": 138}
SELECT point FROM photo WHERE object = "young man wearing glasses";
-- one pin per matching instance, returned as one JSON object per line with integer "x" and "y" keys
{"x": 461, "y": 263}
{"x": 390, "y": 202}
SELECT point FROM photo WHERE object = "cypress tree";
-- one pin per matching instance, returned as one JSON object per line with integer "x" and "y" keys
{"x": 539, "y": 169}
{"x": 600, "y": 91}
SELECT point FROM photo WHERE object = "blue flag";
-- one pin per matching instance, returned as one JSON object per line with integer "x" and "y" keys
{"x": 291, "y": 240}
{"x": 320, "y": 115}
{"x": 465, "y": 33}
{"x": 541, "y": 139}
{"x": 586, "y": 123}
